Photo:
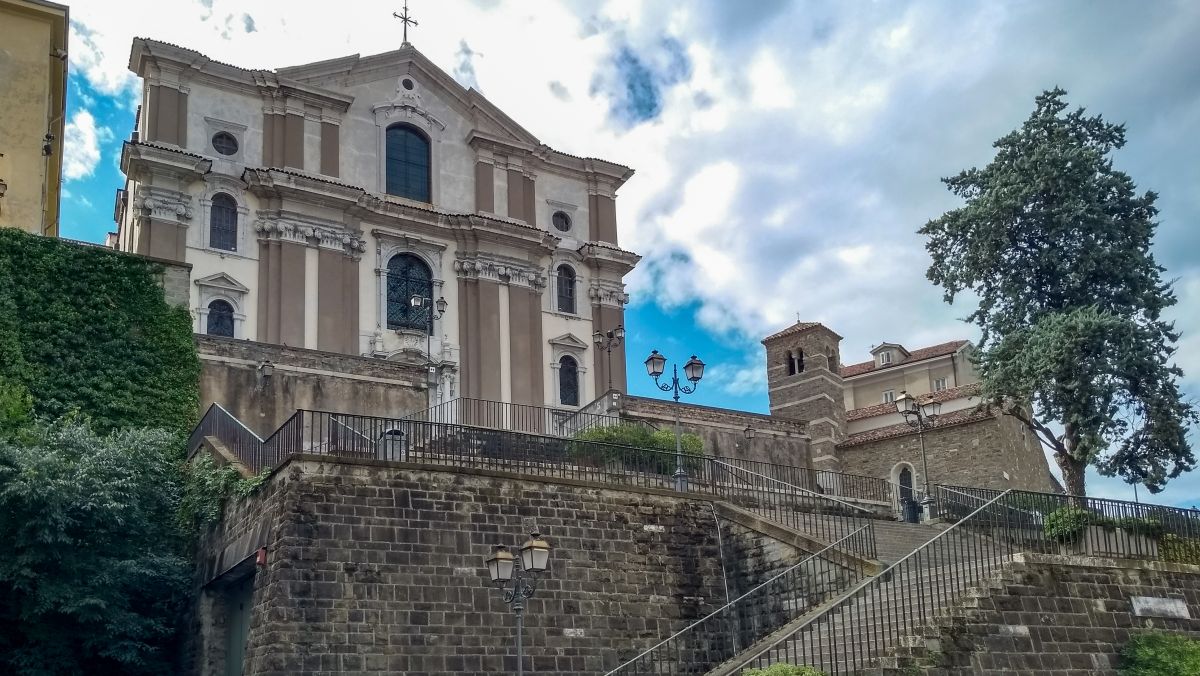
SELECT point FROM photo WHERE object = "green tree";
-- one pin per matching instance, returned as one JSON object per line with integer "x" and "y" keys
{"x": 1055, "y": 244}
{"x": 92, "y": 573}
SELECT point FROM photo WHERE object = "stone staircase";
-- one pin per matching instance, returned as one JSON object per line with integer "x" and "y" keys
{"x": 856, "y": 636}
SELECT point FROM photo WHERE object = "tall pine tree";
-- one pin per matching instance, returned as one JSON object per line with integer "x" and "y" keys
{"x": 1055, "y": 243}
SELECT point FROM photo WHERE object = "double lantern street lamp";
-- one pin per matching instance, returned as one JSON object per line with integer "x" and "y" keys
{"x": 522, "y": 573}
{"x": 922, "y": 416}
{"x": 437, "y": 309}
{"x": 607, "y": 341}
{"x": 693, "y": 370}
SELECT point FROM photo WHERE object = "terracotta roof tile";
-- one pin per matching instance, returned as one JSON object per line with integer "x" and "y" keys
{"x": 930, "y": 352}
{"x": 966, "y": 415}
{"x": 798, "y": 327}
{"x": 969, "y": 390}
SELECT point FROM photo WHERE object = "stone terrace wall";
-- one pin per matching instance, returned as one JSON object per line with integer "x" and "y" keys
{"x": 976, "y": 454}
{"x": 374, "y": 568}
{"x": 1066, "y": 616}
{"x": 777, "y": 440}
{"x": 300, "y": 378}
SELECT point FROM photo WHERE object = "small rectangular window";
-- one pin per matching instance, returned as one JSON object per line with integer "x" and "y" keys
{"x": 885, "y": 357}
{"x": 939, "y": 384}
{"x": 889, "y": 396}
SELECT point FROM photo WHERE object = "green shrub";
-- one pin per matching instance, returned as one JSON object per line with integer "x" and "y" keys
{"x": 1159, "y": 654}
{"x": 1175, "y": 549}
{"x": 86, "y": 329}
{"x": 1066, "y": 524}
{"x": 784, "y": 670}
{"x": 617, "y": 444}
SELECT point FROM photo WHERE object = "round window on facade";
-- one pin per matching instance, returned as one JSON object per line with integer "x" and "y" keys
{"x": 224, "y": 143}
{"x": 561, "y": 221}
{"x": 407, "y": 84}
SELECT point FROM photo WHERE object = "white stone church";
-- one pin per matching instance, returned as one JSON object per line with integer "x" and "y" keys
{"x": 373, "y": 207}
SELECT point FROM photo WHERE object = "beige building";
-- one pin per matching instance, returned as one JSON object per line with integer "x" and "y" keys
{"x": 314, "y": 203}
{"x": 33, "y": 84}
{"x": 856, "y": 429}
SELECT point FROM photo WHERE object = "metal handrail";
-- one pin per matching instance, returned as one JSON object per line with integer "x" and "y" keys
{"x": 730, "y": 604}
{"x": 793, "y": 487}
{"x": 887, "y": 574}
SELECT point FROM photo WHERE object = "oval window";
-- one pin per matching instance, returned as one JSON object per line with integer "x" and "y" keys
{"x": 561, "y": 221}
{"x": 224, "y": 143}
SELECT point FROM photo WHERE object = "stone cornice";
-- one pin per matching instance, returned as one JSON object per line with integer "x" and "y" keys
{"x": 607, "y": 292}
{"x": 609, "y": 258}
{"x": 162, "y": 204}
{"x": 287, "y": 226}
{"x": 166, "y": 64}
{"x": 138, "y": 158}
{"x": 500, "y": 269}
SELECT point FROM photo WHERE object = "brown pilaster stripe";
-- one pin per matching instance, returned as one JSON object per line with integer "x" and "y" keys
{"x": 485, "y": 188}
{"x": 293, "y": 145}
{"x": 330, "y": 148}
{"x": 516, "y": 195}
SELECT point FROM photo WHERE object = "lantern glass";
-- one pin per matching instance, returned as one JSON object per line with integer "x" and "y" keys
{"x": 416, "y": 301}
{"x": 619, "y": 332}
{"x": 905, "y": 404}
{"x": 535, "y": 554}
{"x": 442, "y": 305}
{"x": 694, "y": 369}
{"x": 931, "y": 409}
{"x": 598, "y": 338}
{"x": 750, "y": 433}
{"x": 655, "y": 364}
{"x": 500, "y": 565}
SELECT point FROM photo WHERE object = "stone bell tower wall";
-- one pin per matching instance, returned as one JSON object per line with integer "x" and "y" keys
{"x": 803, "y": 383}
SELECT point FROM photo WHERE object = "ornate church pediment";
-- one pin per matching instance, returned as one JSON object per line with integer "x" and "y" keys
{"x": 223, "y": 282}
{"x": 568, "y": 342}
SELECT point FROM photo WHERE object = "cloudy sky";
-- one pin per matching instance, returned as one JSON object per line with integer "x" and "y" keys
{"x": 786, "y": 152}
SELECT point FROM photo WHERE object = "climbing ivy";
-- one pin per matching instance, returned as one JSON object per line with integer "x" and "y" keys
{"x": 86, "y": 329}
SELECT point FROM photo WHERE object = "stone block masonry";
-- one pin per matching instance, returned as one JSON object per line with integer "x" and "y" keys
{"x": 1066, "y": 616}
{"x": 375, "y": 568}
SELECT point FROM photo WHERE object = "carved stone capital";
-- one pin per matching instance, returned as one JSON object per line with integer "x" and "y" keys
{"x": 163, "y": 204}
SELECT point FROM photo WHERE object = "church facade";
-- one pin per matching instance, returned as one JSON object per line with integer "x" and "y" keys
{"x": 373, "y": 207}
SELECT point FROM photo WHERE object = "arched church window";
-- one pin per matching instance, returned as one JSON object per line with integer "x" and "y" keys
{"x": 222, "y": 222}
{"x": 407, "y": 163}
{"x": 409, "y": 276}
{"x": 566, "y": 289}
{"x": 906, "y": 483}
{"x": 220, "y": 319}
{"x": 568, "y": 381}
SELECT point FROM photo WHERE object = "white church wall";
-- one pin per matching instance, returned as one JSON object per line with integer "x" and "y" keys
{"x": 500, "y": 184}
{"x": 564, "y": 191}
{"x": 312, "y": 140}
{"x": 208, "y": 104}
{"x": 243, "y": 270}
{"x": 453, "y": 173}
{"x": 554, "y": 325}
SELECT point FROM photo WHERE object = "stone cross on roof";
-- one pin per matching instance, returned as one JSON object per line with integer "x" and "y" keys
{"x": 406, "y": 20}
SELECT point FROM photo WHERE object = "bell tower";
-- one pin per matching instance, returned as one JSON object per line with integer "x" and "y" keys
{"x": 803, "y": 383}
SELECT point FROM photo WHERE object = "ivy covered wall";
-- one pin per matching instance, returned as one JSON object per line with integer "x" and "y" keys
{"x": 84, "y": 328}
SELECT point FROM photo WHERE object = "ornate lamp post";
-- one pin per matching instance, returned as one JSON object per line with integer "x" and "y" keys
{"x": 522, "y": 573}
{"x": 607, "y": 341}
{"x": 921, "y": 416}
{"x": 436, "y": 311}
{"x": 693, "y": 370}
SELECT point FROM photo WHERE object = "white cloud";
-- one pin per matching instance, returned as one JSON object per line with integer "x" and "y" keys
{"x": 81, "y": 145}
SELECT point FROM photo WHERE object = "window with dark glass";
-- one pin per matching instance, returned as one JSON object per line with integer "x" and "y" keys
{"x": 407, "y": 163}
{"x": 225, "y": 143}
{"x": 409, "y": 276}
{"x": 568, "y": 381}
{"x": 566, "y": 289}
{"x": 222, "y": 223}
{"x": 220, "y": 319}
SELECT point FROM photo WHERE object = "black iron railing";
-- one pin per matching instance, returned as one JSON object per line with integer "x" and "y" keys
{"x": 461, "y": 446}
{"x": 1068, "y": 524}
{"x": 751, "y": 617}
{"x": 514, "y": 417}
{"x": 825, "y": 482}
